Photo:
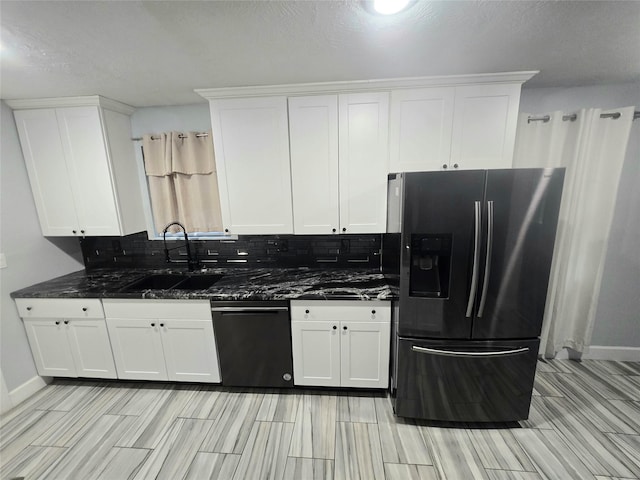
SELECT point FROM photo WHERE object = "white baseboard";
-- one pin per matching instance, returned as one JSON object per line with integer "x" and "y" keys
{"x": 621, "y": 354}
{"x": 603, "y": 352}
{"x": 28, "y": 388}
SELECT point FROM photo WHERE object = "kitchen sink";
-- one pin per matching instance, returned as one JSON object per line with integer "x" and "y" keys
{"x": 172, "y": 281}
{"x": 197, "y": 282}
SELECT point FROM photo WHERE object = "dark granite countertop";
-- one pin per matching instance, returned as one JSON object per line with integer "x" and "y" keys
{"x": 236, "y": 284}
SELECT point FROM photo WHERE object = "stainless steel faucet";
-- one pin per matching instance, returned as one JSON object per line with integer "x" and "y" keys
{"x": 192, "y": 261}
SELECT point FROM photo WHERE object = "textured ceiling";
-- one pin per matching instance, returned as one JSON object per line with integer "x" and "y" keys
{"x": 156, "y": 53}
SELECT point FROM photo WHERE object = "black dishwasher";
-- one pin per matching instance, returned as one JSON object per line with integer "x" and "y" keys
{"x": 254, "y": 343}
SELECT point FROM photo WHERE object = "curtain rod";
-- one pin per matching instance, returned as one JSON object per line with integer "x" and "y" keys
{"x": 574, "y": 116}
{"x": 198, "y": 135}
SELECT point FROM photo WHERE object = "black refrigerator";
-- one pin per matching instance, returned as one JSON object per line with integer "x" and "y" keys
{"x": 470, "y": 252}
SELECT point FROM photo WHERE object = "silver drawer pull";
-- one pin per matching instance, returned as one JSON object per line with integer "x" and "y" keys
{"x": 450, "y": 353}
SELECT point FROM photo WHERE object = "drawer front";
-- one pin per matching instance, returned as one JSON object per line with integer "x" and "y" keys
{"x": 465, "y": 381}
{"x": 340, "y": 310}
{"x": 60, "y": 307}
{"x": 185, "y": 309}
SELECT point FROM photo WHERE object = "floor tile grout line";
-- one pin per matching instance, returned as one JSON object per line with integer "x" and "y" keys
{"x": 637, "y": 434}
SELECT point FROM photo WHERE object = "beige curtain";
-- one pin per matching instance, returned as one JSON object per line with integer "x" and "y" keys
{"x": 157, "y": 164}
{"x": 592, "y": 149}
{"x": 182, "y": 181}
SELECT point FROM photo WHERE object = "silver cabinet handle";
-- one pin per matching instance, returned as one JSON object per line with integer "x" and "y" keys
{"x": 487, "y": 262}
{"x": 451, "y": 353}
{"x": 476, "y": 259}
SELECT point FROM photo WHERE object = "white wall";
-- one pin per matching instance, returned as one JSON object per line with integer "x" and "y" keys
{"x": 192, "y": 118}
{"x": 31, "y": 258}
{"x": 618, "y": 313}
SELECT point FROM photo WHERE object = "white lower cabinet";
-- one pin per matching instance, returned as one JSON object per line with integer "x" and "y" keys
{"x": 163, "y": 340}
{"x": 341, "y": 343}
{"x": 316, "y": 353}
{"x": 68, "y": 337}
{"x": 137, "y": 349}
{"x": 50, "y": 347}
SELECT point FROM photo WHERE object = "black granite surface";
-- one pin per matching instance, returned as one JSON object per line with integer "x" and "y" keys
{"x": 236, "y": 284}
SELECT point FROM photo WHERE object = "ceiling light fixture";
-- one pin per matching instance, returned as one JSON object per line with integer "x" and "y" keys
{"x": 389, "y": 7}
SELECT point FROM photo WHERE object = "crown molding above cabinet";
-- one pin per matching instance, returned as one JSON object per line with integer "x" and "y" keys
{"x": 365, "y": 85}
{"x": 60, "y": 102}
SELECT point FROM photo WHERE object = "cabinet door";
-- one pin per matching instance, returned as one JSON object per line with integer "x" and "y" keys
{"x": 137, "y": 348}
{"x": 484, "y": 126}
{"x": 364, "y": 354}
{"x": 251, "y": 142}
{"x": 316, "y": 353}
{"x": 420, "y": 129}
{"x": 45, "y": 160}
{"x": 91, "y": 349}
{"x": 313, "y": 142}
{"x": 364, "y": 160}
{"x": 88, "y": 166}
{"x": 190, "y": 350}
{"x": 50, "y": 347}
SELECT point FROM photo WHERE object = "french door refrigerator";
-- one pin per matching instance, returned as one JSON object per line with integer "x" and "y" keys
{"x": 471, "y": 255}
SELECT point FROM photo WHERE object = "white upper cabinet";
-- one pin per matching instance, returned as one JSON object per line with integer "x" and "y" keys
{"x": 364, "y": 161}
{"x": 81, "y": 166}
{"x": 462, "y": 127}
{"x": 420, "y": 129}
{"x": 313, "y": 143}
{"x": 251, "y": 142}
{"x": 484, "y": 128}
{"x": 321, "y": 166}
{"x": 339, "y": 160}
{"x": 88, "y": 168}
{"x": 47, "y": 169}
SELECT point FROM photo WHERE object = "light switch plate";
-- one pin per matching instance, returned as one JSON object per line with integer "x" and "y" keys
{"x": 3, "y": 261}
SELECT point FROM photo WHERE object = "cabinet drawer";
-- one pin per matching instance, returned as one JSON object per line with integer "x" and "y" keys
{"x": 184, "y": 309}
{"x": 59, "y": 307}
{"x": 340, "y": 310}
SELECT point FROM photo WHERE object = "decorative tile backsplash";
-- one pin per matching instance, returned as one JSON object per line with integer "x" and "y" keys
{"x": 248, "y": 250}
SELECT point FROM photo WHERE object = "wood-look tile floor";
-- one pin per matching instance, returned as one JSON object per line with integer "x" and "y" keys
{"x": 584, "y": 424}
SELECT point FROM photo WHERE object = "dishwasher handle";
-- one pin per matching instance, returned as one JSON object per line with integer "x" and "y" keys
{"x": 249, "y": 309}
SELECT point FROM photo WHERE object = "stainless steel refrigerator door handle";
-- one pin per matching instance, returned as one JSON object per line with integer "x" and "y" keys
{"x": 487, "y": 262}
{"x": 476, "y": 260}
{"x": 450, "y": 353}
